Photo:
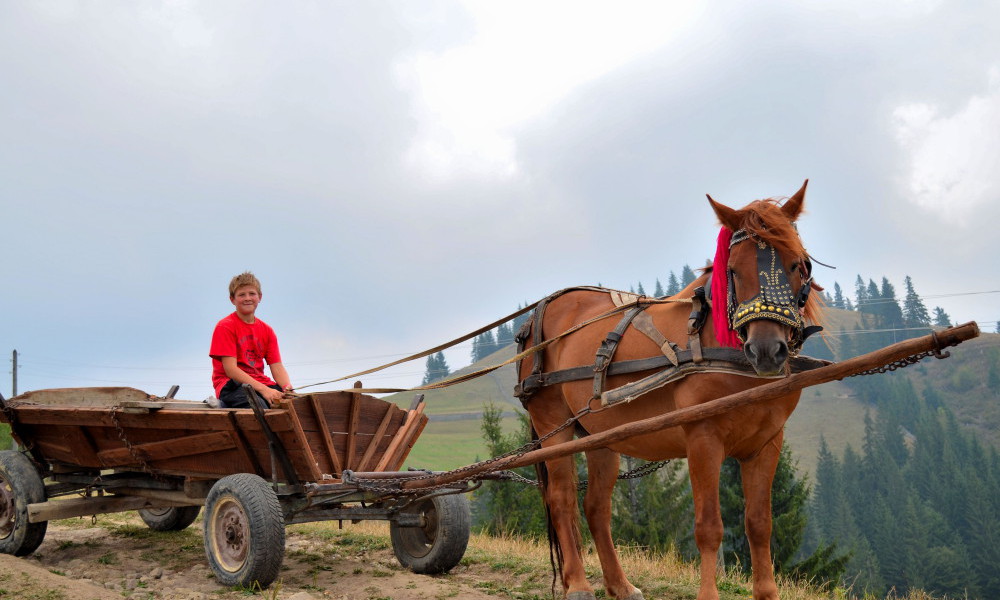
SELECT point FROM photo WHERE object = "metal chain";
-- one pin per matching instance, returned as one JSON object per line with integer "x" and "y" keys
{"x": 502, "y": 461}
{"x": 128, "y": 445}
{"x": 504, "y": 474}
{"x": 899, "y": 364}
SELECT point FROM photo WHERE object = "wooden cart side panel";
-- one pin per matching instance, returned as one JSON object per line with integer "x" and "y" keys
{"x": 207, "y": 420}
{"x": 373, "y": 416}
{"x": 407, "y": 445}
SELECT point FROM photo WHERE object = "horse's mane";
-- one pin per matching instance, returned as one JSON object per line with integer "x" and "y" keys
{"x": 764, "y": 220}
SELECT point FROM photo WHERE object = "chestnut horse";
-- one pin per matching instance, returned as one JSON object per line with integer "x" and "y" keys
{"x": 769, "y": 307}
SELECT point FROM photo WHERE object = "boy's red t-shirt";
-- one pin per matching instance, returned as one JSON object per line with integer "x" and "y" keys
{"x": 252, "y": 345}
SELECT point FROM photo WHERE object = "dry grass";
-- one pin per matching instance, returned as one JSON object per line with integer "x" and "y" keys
{"x": 520, "y": 568}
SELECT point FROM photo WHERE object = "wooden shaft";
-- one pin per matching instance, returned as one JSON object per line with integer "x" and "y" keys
{"x": 852, "y": 366}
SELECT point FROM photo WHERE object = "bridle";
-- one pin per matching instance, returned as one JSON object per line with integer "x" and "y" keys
{"x": 776, "y": 300}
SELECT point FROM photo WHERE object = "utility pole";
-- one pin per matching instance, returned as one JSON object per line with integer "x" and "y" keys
{"x": 13, "y": 444}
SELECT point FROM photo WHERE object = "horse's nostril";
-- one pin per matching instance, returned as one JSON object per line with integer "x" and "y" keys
{"x": 781, "y": 355}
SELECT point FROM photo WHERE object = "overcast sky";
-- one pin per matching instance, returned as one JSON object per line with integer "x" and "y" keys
{"x": 400, "y": 173}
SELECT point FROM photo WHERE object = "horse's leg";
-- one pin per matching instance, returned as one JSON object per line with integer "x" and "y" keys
{"x": 564, "y": 515}
{"x": 758, "y": 474}
{"x": 602, "y": 472}
{"x": 705, "y": 456}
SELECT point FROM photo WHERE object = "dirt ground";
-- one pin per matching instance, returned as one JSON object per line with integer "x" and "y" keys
{"x": 81, "y": 561}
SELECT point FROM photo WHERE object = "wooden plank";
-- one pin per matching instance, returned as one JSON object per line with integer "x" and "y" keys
{"x": 167, "y": 449}
{"x": 170, "y": 405}
{"x": 352, "y": 428}
{"x": 393, "y": 448}
{"x": 213, "y": 420}
{"x": 244, "y": 445}
{"x": 768, "y": 391}
{"x": 331, "y": 450}
{"x": 95, "y": 505}
{"x": 300, "y": 436}
{"x": 404, "y": 439}
{"x": 407, "y": 445}
{"x": 376, "y": 440}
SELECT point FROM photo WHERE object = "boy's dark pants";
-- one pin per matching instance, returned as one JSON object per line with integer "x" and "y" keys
{"x": 233, "y": 395}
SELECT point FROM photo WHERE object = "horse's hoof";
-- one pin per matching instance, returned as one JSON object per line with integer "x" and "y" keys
{"x": 636, "y": 595}
{"x": 581, "y": 596}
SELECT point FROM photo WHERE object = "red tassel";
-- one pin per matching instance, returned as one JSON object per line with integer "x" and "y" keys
{"x": 724, "y": 334}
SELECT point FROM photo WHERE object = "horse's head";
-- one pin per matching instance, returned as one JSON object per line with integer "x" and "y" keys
{"x": 765, "y": 272}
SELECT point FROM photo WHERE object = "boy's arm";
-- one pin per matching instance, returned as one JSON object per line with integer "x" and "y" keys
{"x": 234, "y": 372}
{"x": 280, "y": 375}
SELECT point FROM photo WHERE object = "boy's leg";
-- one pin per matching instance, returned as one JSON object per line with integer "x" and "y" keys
{"x": 233, "y": 395}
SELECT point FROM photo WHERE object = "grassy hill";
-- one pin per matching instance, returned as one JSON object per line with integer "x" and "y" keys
{"x": 453, "y": 439}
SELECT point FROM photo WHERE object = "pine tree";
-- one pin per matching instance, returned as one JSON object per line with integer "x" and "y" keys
{"x": 860, "y": 295}
{"x": 891, "y": 312}
{"x": 658, "y": 290}
{"x": 673, "y": 285}
{"x": 941, "y": 318}
{"x": 687, "y": 276}
{"x": 655, "y": 511}
{"x": 914, "y": 311}
{"x": 641, "y": 291}
{"x": 838, "y": 296}
{"x": 789, "y": 504}
{"x": 505, "y": 335}
{"x": 437, "y": 368}
{"x": 847, "y": 304}
{"x": 504, "y": 507}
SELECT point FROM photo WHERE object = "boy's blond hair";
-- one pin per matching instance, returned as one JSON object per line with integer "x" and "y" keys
{"x": 244, "y": 278}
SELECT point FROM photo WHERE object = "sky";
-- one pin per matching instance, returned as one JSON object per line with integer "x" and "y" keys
{"x": 399, "y": 174}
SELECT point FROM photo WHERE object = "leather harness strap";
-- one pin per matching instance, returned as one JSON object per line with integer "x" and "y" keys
{"x": 607, "y": 350}
{"x": 699, "y": 314}
{"x": 729, "y": 360}
{"x": 644, "y": 323}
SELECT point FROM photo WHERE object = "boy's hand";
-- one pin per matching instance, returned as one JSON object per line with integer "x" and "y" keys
{"x": 271, "y": 395}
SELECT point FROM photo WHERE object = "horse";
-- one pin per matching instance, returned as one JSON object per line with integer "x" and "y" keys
{"x": 759, "y": 288}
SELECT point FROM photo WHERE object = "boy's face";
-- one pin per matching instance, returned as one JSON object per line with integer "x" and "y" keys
{"x": 246, "y": 300}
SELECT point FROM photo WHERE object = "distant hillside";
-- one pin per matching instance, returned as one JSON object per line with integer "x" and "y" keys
{"x": 452, "y": 438}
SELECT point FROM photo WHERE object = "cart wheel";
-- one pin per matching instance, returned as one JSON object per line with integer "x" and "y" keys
{"x": 172, "y": 518}
{"x": 244, "y": 531}
{"x": 439, "y": 544}
{"x": 20, "y": 485}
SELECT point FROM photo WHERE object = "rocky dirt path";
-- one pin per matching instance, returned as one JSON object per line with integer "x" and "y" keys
{"x": 81, "y": 561}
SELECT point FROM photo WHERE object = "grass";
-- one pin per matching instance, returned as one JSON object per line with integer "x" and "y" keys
{"x": 518, "y": 568}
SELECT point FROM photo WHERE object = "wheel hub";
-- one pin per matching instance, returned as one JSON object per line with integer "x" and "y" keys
{"x": 232, "y": 533}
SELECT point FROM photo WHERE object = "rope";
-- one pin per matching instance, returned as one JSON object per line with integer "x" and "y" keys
{"x": 478, "y": 373}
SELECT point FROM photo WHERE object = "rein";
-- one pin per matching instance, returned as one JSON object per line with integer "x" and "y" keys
{"x": 523, "y": 353}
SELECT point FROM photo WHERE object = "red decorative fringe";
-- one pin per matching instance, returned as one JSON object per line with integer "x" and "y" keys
{"x": 724, "y": 334}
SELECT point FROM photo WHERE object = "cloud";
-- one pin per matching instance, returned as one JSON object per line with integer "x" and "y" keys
{"x": 470, "y": 98}
{"x": 952, "y": 158}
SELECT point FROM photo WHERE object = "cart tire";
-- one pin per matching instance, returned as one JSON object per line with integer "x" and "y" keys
{"x": 20, "y": 485}
{"x": 244, "y": 531}
{"x": 440, "y": 543}
{"x": 171, "y": 518}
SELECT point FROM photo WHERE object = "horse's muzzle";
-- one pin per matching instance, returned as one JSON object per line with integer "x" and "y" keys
{"x": 768, "y": 357}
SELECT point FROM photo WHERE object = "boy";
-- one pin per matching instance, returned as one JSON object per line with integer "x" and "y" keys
{"x": 241, "y": 343}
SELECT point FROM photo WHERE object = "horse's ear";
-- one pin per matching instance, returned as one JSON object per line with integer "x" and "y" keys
{"x": 793, "y": 207}
{"x": 727, "y": 216}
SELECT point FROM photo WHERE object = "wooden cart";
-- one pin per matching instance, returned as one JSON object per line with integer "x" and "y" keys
{"x": 90, "y": 451}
